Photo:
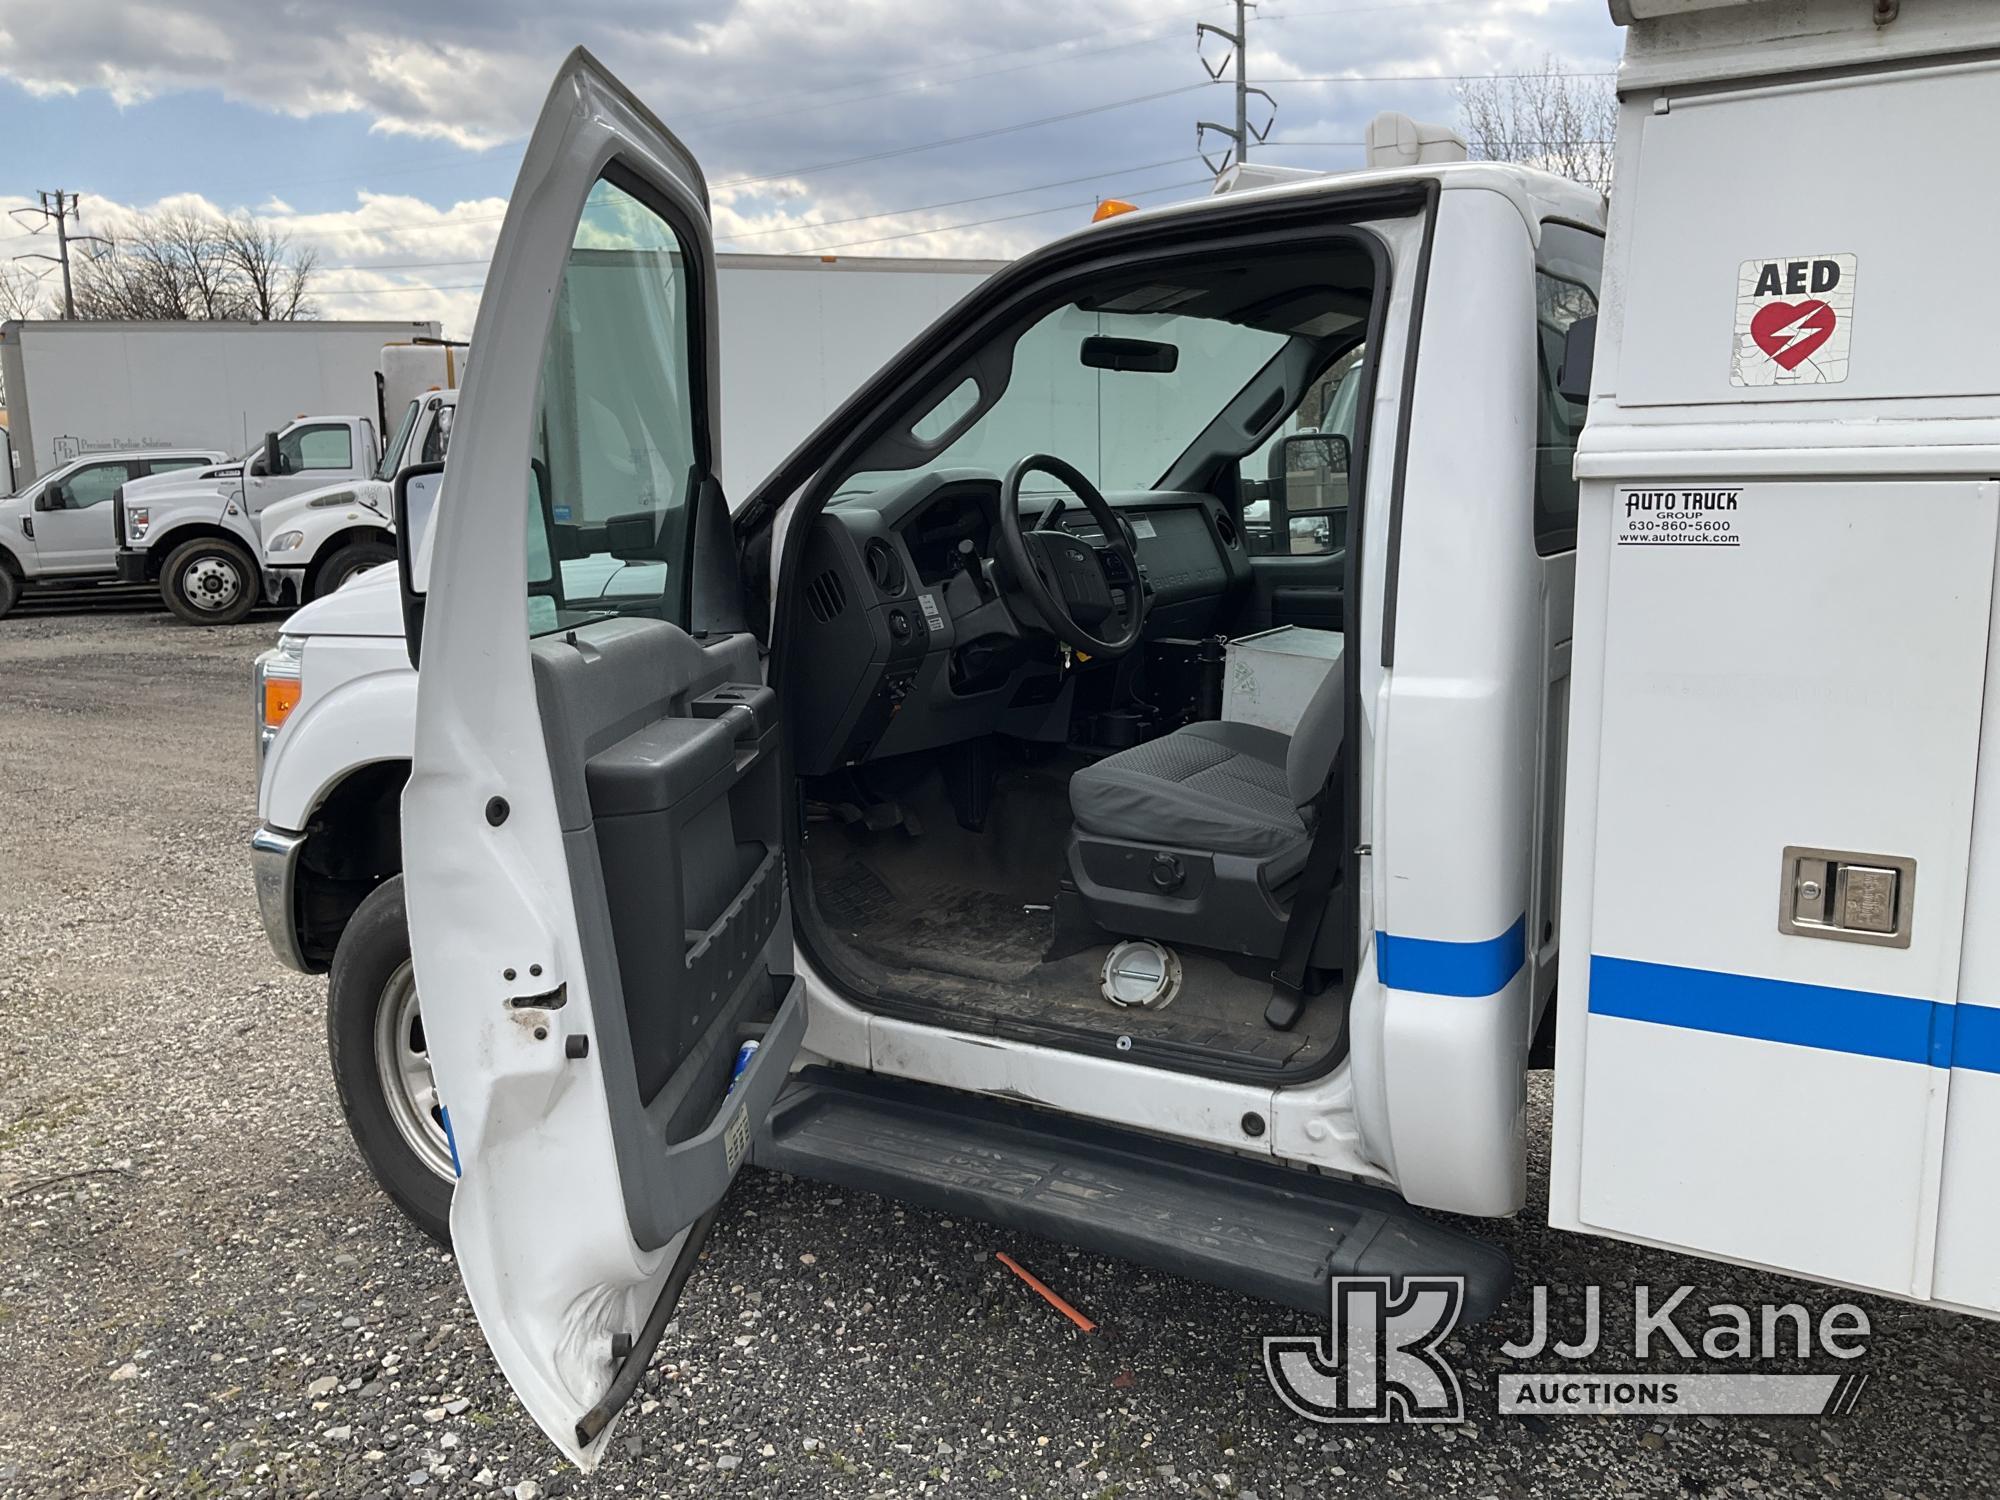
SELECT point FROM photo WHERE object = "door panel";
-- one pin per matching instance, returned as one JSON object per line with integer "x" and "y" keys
{"x": 595, "y": 874}
{"x": 1738, "y": 1088}
{"x": 78, "y": 537}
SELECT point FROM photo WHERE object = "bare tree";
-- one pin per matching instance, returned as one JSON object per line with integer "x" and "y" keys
{"x": 1550, "y": 118}
{"x": 187, "y": 264}
{"x": 22, "y": 294}
{"x": 273, "y": 275}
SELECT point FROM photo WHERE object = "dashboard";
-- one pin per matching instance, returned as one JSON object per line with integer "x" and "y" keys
{"x": 910, "y": 644}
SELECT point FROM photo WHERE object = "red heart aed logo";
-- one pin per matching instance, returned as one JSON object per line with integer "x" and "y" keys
{"x": 1790, "y": 331}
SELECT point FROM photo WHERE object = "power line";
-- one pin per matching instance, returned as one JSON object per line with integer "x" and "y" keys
{"x": 893, "y": 213}
{"x": 1001, "y": 219}
{"x": 1168, "y": 187}
{"x": 751, "y": 104}
{"x": 751, "y": 234}
{"x": 1419, "y": 77}
{"x": 961, "y": 140}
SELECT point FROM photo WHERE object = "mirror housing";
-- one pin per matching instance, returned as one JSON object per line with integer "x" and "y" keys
{"x": 414, "y": 504}
{"x": 272, "y": 462}
{"x": 1312, "y": 467}
{"x": 52, "y": 497}
{"x": 1102, "y": 352}
{"x": 1579, "y": 354}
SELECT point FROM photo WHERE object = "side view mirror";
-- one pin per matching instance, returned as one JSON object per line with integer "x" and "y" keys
{"x": 52, "y": 497}
{"x": 415, "y": 502}
{"x": 273, "y": 462}
{"x": 1579, "y": 352}
{"x": 1312, "y": 467}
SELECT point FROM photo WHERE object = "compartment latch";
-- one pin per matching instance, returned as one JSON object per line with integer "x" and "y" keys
{"x": 1855, "y": 898}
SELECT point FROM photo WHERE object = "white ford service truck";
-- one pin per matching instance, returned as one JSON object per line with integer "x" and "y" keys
{"x": 897, "y": 771}
{"x": 197, "y": 535}
{"x": 317, "y": 540}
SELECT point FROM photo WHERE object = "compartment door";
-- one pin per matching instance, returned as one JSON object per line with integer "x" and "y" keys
{"x": 1777, "y": 733}
{"x": 592, "y": 835}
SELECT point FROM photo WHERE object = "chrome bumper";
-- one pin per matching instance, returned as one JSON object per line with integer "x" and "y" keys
{"x": 274, "y": 863}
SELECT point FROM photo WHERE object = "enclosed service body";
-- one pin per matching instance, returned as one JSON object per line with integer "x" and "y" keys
{"x": 80, "y": 387}
{"x": 1781, "y": 878}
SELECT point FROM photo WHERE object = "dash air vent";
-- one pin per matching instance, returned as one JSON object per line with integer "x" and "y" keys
{"x": 825, "y": 597}
{"x": 1227, "y": 529}
{"x": 885, "y": 569}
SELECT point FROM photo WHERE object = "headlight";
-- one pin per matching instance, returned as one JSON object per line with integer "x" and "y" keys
{"x": 286, "y": 541}
{"x": 277, "y": 688}
{"x": 137, "y": 519}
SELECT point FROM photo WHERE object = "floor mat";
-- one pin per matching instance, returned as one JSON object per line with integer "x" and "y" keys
{"x": 959, "y": 946}
{"x": 945, "y": 927}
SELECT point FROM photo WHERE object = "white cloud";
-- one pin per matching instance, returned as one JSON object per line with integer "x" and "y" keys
{"x": 772, "y": 90}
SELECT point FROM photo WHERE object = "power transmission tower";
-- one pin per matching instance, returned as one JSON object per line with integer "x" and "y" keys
{"x": 59, "y": 208}
{"x": 1239, "y": 47}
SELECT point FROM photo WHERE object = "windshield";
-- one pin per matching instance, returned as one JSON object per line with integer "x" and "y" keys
{"x": 392, "y": 455}
{"x": 1122, "y": 427}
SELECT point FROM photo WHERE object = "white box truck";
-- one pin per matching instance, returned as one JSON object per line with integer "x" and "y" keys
{"x": 1694, "y": 706}
{"x": 82, "y": 387}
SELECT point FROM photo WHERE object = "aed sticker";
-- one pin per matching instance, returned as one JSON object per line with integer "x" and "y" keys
{"x": 932, "y": 615}
{"x": 1793, "y": 320}
{"x": 1679, "y": 518}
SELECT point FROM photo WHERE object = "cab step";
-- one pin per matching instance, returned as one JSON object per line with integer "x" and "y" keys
{"x": 1244, "y": 1225}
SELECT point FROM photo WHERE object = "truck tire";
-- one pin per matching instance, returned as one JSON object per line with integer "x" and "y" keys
{"x": 348, "y": 561}
{"x": 381, "y": 1068}
{"x": 209, "y": 581}
{"x": 10, "y": 590}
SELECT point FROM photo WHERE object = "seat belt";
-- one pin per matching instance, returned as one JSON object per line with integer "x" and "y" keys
{"x": 1322, "y": 872}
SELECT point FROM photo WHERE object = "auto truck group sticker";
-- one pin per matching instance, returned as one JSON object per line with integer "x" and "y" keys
{"x": 1793, "y": 321}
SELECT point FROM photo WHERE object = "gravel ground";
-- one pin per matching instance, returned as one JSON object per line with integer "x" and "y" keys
{"x": 202, "y": 1293}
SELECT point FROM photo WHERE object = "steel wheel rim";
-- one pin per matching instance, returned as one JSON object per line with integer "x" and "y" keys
{"x": 403, "y": 1064}
{"x": 211, "y": 583}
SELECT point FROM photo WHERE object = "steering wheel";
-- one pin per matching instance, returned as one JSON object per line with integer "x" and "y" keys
{"x": 1066, "y": 579}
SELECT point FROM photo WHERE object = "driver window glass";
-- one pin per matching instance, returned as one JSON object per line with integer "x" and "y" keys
{"x": 94, "y": 485}
{"x": 1566, "y": 282}
{"x": 615, "y": 442}
{"x": 322, "y": 447}
{"x": 438, "y": 439}
{"x": 1313, "y": 475}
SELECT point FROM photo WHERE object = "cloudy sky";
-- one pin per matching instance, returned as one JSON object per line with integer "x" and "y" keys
{"x": 387, "y": 135}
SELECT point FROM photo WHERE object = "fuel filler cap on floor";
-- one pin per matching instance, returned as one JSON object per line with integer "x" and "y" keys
{"x": 1142, "y": 974}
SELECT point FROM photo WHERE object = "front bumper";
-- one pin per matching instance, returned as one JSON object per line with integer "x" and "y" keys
{"x": 274, "y": 865}
{"x": 131, "y": 566}
{"x": 285, "y": 586}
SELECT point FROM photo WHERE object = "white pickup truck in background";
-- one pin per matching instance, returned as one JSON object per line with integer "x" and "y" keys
{"x": 57, "y": 530}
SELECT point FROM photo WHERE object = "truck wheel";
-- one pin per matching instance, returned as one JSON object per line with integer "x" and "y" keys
{"x": 348, "y": 561}
{"x": 10, "y": 590}
{"x": 210, "y": 582}
{"x": 381, "y": 1067}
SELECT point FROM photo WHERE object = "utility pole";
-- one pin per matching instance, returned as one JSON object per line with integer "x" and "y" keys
{"x": 60, "y": 208}
{"x": 1243, "y": 134}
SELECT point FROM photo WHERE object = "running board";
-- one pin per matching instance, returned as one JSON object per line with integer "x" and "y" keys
{"x": 1247, "y": 1226}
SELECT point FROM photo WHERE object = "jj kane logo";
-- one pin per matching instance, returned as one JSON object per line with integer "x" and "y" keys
{"x": 1382, "y": 1358}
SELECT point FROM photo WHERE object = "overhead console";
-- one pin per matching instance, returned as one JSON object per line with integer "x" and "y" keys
{"x": 907, "y": 644}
